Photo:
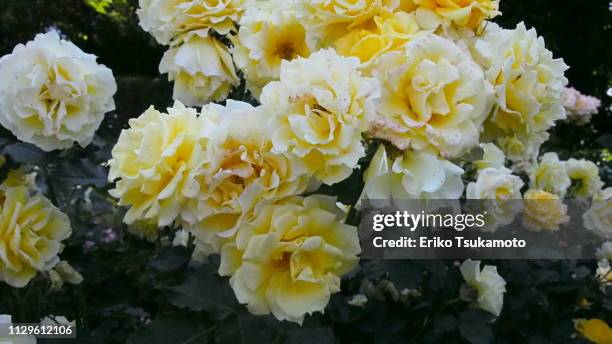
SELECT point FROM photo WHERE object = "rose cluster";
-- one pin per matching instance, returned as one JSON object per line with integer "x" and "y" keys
{"x": 423, "y": 83}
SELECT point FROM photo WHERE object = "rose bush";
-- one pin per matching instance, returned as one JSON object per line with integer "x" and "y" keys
{"x": 232, "y": 215}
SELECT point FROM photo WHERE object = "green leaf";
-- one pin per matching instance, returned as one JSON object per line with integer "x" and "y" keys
{"x": 81, "y": 172}
{"x": 25, "y": 153}
{"x": 476, "y": 333}
{"x": 204, "y": 290}
{"x": 171, "y": 259}
{"x": 243, "y": 328}
{"x": 176, "y": 328}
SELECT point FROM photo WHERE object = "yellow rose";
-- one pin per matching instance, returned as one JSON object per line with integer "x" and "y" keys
{"x": 466, "y": 13}
{"x": 288, "y": 258}
{"x": 157, "y": 163}
{"x": 543, "y": 211}
{"x": 267, "y": 37}
{"x": 387, "y": 32}
{"x": 242, "y": 171}
{"x": 31, "y": 231}
{"x": 202, "y": 70}
{"x": 433, "y": 95}
{"x": 528, "y": 84}
{"x": 585, "y": 179}
{"x": 318, "y": 110}
{"x": 411, "y": 175}
{"x": 331, "y": 19}
{"x": 595, "y": 330}
{"x": 52, "y": 94}
{"x": 168, "y": 19}
{"x": 488, "y": 283}
{"x": 550, "y": 175}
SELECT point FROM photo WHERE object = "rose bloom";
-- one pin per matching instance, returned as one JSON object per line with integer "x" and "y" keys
{"x": 157, "y": 163}
{"x": 386, "y": 32}
{"x": 543, "y": 211}
{"x": 52, "y": 94}
{"x": 488, "y": 283}
{"x": 331, "y": 19}
{"x": 550, "y": 175}
{"x": 463, "y": 13}
{"x": 585, "y": 179}
{"x": 598, "y": 218}
{"x": 202, "y": 70}
{"x": 266, "y": 37}
{"x": 411, "y": 175}
{"x": 31, "y": 232}
{"x": 168, "y": 19}
{"x": 433, "y": 94}
{"x": 242, "y": 171}
{"x": 288, "y": 258}
{"x": 528, "y": 84}
{"x": 318, "y": 111}
{"x": 492, "y": 157}
{"x": 595, "y": 330}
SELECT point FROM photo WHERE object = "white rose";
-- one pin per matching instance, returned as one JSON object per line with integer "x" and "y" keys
{"x": 550, "y": 175}
{"x": 412, "y": 175}
{"x": 598, "y": 218}
{"x": 501, "y": 191}
{"x": 52, "y": 94}
{"x": 585, "y": 179}
{"x": 489, "y": 284}
{"x": 168, "y": 19}
{"x": 318, "y": 110}
{"x": 202, "y": 70}
{"x": 528, "y": 85}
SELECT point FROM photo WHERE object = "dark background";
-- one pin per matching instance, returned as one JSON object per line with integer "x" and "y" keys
{"x": 578, "y": 31}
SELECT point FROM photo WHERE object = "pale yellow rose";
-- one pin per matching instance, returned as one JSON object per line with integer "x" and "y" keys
{"x": 528, "y": 84}
{"x": 331, "y": 19}
{"x": 543, "y": 211}
{"x": 242, "y": 171}
{"x": 411, "y": 175}
{"x": 550, "y": 175}
{"x": 386, "y": 32}
{"x": 433, "y": 95}
{"x": 52, "y": 94}
{"x": 492, "y": 157}
{"x": 266, "y": 37}
{"x": 288, "y": 258}
{"x": 488, "y": 283}
{"x": 157, "y": 163}
{"x": 598, "y": 218}
{"x": 31, "y": 232}
{"x": 585, "y": 178}
{"x": 202, "y": 70}
{"x": 168, "y": 19}
{"x": 495, "y": 184}
{"x": 464, "y": 13}
{"x": 318, "y": 111}
{"x": 498, "y": 187}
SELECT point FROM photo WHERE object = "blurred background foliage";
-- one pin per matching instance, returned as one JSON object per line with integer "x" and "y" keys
{"x": 140, "y": 292}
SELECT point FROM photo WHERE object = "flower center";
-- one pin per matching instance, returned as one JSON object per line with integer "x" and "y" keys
{"x": 286, "y": 50}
